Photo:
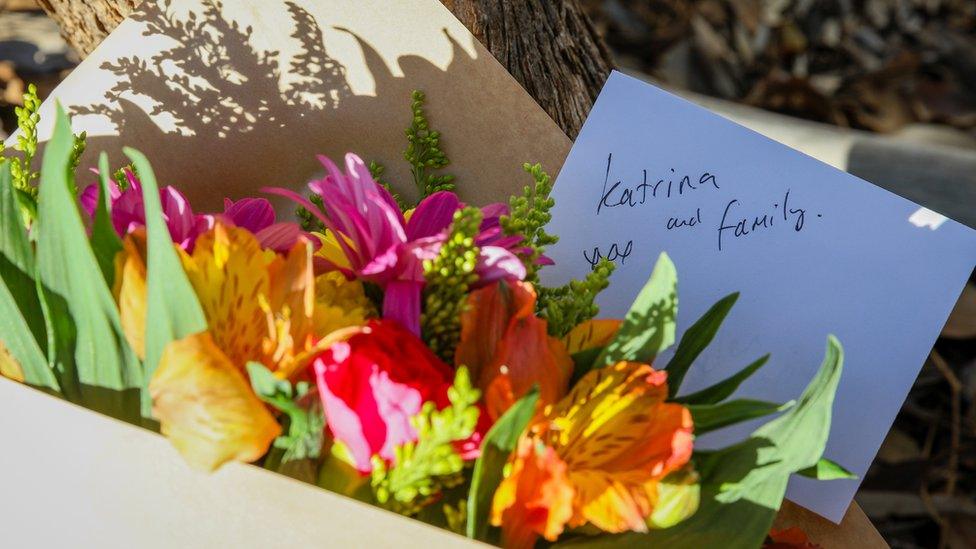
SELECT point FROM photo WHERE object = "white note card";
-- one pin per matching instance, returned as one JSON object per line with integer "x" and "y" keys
{"x": 812, "y": 250}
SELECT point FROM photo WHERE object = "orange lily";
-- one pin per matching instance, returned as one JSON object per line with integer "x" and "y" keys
{"x": 507, "y": 348}
{"x": 615, "y": 437}
{"x": 260, "y": 306}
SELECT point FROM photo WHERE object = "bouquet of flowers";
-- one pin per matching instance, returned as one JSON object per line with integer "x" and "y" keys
{"x": 400, "y": 353}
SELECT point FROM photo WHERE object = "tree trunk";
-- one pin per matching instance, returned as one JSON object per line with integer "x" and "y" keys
{"x": 549, "y": 46}
{"x": 85, "y": 24}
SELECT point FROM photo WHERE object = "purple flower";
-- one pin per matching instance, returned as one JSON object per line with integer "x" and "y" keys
{"x": 381, "y": 247}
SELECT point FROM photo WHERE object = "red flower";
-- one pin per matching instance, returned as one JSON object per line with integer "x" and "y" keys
{"x": 373, "y": 383}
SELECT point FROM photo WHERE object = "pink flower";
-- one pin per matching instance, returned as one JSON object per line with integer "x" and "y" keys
{"x": 129, "y": 214}
{"x": 382, "y": 247}
{"x": 254, "y": 214}
{"x": 258, "y": 216}
{"x": 373, "y": 383}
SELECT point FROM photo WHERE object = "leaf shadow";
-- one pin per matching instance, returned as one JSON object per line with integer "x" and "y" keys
{"x": 215, "y": 108}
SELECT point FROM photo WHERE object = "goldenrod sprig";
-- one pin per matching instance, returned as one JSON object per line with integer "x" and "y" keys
{"x": 424, "y": 151}
{"x": 529, "y": 216}
{"x": 449, "y": 276}
{"x": 567, "y": 306}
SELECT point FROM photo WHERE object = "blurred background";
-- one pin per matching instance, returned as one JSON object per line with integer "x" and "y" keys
{"x": 883, "y": 88}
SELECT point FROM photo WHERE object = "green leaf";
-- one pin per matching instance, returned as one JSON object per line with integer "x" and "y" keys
{"x": 80, "y": 304}
{"x": 172, "y": 305}
{"x": 20, "y": 342}
{"x": 104, "y": 240}
{"x": 709, "y": 417}
{"x": 826, "y": 469}
{"x": 499, "y": 442}
{"x": 648, "y": 327}
{"x": 295, "y": 452}
{"x": 743, "y": 486}
{"x": 723, "y": 389}
{"x": 17, "y": 264}
{"x": 695, "y": 339}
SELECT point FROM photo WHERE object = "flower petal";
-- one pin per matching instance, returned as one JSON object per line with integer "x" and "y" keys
{"x": 253, "y": 214}
{"x": 485, "y": 321}
{"x": 230, "y": 274}
{"x": 401, "y": 303}
{"x": 433, "y": 215}
{"x": 206, "y": 407}
{"x": 130, "y": 289}
{"x": 508, "y": 349}
{"x": 495, "y": 263}
{"x": 534, "y": 499}
{"x": 591, "y": 335}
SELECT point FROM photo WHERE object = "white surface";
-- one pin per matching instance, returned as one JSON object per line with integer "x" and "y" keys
{"x": 75, "y": 478}
{"x": 857, "y": 267}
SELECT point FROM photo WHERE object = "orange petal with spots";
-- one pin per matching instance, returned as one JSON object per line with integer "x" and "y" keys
{"x": 206, "y": 407}
{"x": 229, "y": 273}
{"x": 591, "y": 334}
{"x": 535, "y": 498}
{"x": 619, "y": 437}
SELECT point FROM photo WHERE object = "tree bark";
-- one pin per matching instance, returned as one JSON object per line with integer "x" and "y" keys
{"x": 549, "y": 46}
{"x": 85, "y": 24}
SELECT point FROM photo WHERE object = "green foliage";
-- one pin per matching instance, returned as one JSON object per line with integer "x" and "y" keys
{"x": 569, "y": 305}
{"x": 306, "y": 422}
{"x": 456, "y": 517}
{"x": 27, "y": 119}
{"x": 17, "y": 264}
{"x": 709, "y": 417}
{"x": 723, "y": 389}
{"x": 423, "y": 468}
{"x": 742, "y": 487}
{"x": 307, "y": 219}
{"x": 498, "y": 444}
{"x": 171, "y": 302}
{"x": 120, "y": 178}
{"x": 529, "y": 214}
{"x": 649, "y": 326}
{"x": 695, "y": 339}
{"x": 826, "y": 469}
{"x": 105, "y": 241}
{"x": 89, "y": 346}
{"x": 424, "y": 151}
{"x": 448, "y": 276}
{"x": 21, "y": 317}
{"x": 377, "y": 170}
